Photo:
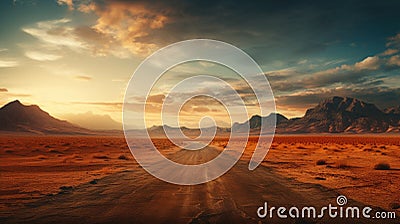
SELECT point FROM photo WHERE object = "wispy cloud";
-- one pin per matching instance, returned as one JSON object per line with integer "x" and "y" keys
{"x": 394, "y": 41}
{"x": 7, "y": 95}
{"x": 61, "y": 34}
{"x": 8, "y": 63}
{"x": 389, "y": 51}
{"x": 56, "y": 32}
{"x": 40, "y": 56}
{"x": 69, "y": 3}
{"x": 108, "y": 106}
{"x": 394, "y": 61}
{"x": 83, "y": 77}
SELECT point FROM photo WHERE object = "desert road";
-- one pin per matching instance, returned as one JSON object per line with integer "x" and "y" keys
{"x": 134, "y": 196}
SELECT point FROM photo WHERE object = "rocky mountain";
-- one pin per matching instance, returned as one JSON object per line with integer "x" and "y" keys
{"x": 16, "y": 117}
{"x": 392, "y": 110}
{"x": 256, "y": 122}
{"x": 333, "y": 115}
{"x": 343, "y": 114}
{"x": 394, "y": 118}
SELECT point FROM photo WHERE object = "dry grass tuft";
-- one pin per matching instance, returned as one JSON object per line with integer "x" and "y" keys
{"x": 382, "y": 166}
{"x": 123, "y": 157}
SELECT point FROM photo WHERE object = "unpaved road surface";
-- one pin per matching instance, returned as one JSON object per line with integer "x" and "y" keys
{"x": 134, "y": 196}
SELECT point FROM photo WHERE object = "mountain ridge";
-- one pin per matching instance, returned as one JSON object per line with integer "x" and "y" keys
{"x": 332, "y": 115}
{"x": 16, "y": 117}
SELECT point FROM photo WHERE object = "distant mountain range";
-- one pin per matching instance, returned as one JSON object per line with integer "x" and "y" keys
{"x": 333, "y": 115}
{"x": 344, "y": 115}
{"x": 15, "y": 117}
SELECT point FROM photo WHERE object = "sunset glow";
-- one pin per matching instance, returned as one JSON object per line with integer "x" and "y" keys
{"x": 75, "y": 58}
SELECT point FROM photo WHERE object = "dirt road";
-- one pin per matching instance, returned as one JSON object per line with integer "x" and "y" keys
{"x": 133, "y": 196}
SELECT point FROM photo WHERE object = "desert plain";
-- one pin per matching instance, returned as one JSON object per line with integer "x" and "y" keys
{"x": 95, "y": 179}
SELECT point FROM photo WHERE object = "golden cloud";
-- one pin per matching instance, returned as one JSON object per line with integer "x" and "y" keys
{"x": 127, "y": 23}
{"x": 69, "y": 3}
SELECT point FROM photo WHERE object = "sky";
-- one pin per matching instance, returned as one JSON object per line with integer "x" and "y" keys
{"x": 74, "y": 58}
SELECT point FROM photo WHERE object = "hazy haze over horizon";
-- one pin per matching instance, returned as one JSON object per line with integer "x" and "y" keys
{"x": 74, "y": 58}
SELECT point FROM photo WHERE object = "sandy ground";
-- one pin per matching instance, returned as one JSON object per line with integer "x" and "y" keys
{"x": 95, "y": 179}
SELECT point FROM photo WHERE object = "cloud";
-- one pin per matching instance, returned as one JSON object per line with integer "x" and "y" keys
{"x": 201, "y": 109}
{"x": 18, "y": 95}
{"x": 383, "y": 97}
{"x": 357, "y": 73}
{"x": 141, "y": 26}
{"x": 394, "y": 61}
{"x": 100, "y": 44}
{"x": 40, "y": 56}
{"x": 8, "y": 63}
{"x": 69, "y": 3}
{"x": 372, "y": 79}
{"x": 127, "y": 23}
{"x": 381, "y": 65}
{"x": 109, "y": 106}
{"x": 83, "y": 77}
{"x": 3, "y": 49}
{"x": 389, "y": 51}
{"x": 7, "y": 96}
{"x": 394, "y": 41}
{"x": 56, "y": 32}
{"x": 60, "y": 35}
{"x": 369, "y": 63}
{"x": 158, "y": 99}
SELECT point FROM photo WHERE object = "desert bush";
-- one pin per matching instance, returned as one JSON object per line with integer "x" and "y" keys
{"x": 123, "y": 157}
{"x": 382, "y": 166}
{"x": 66, "y": 189}
{"x": 321, "y": 162}
{"x": 94, "y": 181}
{"x": 394, "y": 205}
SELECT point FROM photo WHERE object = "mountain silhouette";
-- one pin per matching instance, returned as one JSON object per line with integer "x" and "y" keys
{"x": 256, "y": 122}
{"x": 16, "y": 117}
{"x": 343, "y": 115}
{"x": 332, "y": 115}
